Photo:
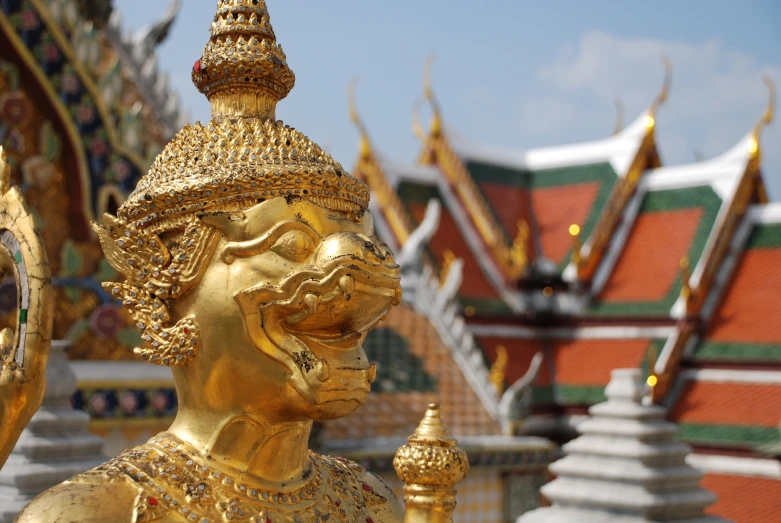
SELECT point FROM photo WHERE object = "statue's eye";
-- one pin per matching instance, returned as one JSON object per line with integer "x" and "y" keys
{"x": 294, "y": 245}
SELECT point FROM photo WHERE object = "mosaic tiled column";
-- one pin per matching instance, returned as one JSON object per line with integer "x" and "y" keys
{"x": 55, "y": 445}
{"x": 626, "y": 467}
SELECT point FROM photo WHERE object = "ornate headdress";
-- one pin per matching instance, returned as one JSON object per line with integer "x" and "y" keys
{"x": 242, "y": 157}
{"x": 244, "y": 154}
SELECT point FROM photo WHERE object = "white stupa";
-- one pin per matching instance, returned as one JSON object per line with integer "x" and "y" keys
{"x": 54, "y": 447}
{"x": 626, "y": 467}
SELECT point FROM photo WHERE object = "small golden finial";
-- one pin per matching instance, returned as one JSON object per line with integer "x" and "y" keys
{"x": 574, "y": 231}
{"x": 428, "y": 92}
{"x": 661, "y": 98}
{"x": 431, "y": 465}
{"x": 686, "y": 290}
{"x": 767, "y": 116}
{"x": 619, "y": 116}
{"x": 518, "y": 251}
{"x": 365, "y": 147}
{"x": 498, "y": 371}
{"x": 447, "y": 262}
{"x": 5, "y": 172}
{"x": 243, "y": 71}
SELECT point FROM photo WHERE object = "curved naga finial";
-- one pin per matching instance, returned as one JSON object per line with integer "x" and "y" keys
{"x": 517, "y": 398}
{"x": 767, "y": 116}
{"x": 412, "y": 250}
{"x": 25, "y": 350}
{"x": 356, "y": 118}
{"x": 155, "y": 34}
{"x": 428, "y": 95}
{"x": 661, "y": 98}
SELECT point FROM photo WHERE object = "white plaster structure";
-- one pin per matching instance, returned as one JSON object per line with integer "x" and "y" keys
{"x": 626, "y": 467}
{"x": 54, "y": 447}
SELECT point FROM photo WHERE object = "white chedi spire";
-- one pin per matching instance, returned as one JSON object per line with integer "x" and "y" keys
{"x": 54, "y": 447}
{"x": 626, "y": 467}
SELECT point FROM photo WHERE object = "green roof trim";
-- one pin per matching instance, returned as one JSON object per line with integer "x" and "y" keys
{"x": 580, "y": 394}
{"x": 485, "y": 172}
{"x": 664, "y": 201}
{"x": 543, "y": 396}
{"x": 398, "y": 370}
{"x": 728, "y": 435}
{"x": 572, "y": 175}
{"x": 765, "y": 237}
{"x": 410, "y": 192}
{"x": 738, "y": 351}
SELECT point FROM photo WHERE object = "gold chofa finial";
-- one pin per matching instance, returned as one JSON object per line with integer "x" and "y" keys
{"x": 243, "y": 71}
{"x": 767, "y": 116}
{"x": 365, "y": 148}
{"x": 661, "y": 98}
{"x": 428, "y": 92}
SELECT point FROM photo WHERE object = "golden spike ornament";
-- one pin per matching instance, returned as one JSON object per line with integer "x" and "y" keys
{"x": 498, "y": 372}
{"x": 250, "y": 266}
{"x": 24, "y": 350}
{"x": 431, "y": 465}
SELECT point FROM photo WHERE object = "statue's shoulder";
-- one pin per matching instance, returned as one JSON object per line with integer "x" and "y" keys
{"x": 382, "y": 505}
{"x": 108, "y": 493}
{"x": 91, "y": 497}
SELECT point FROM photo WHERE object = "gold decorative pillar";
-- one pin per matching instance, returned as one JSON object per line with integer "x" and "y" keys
{"x": 431, "y": 465}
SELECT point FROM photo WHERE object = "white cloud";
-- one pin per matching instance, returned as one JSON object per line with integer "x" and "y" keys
{"x": 717, "y": 93}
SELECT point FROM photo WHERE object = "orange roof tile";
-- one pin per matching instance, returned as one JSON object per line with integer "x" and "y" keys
{"x": 749, "y": 310}
{"x": 589, "y": 362}
{"x": 744, "y": 499}
{"x": 520, "y": 353}
{"x": 651, "y": 258}
{"x": 393, "y": 414}
{"x": 729, "y": 404}
{"x": 448, "y": 236}
{"x": 556, "y": 208}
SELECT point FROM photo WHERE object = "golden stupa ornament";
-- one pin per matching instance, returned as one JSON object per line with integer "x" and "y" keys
{"x": 251, "y": 269}
{"x": 431, "y": 465}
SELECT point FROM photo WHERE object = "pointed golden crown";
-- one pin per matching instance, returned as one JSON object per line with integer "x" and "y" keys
{"x": 244, "y": 155}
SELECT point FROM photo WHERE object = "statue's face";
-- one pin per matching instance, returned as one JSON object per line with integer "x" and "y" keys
{"x": 285, "y": 305}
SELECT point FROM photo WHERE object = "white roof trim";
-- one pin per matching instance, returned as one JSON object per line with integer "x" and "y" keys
{"x": 735, "y": 466}
{"x": 754, "y": 377}
{"x": 620, "y": 150}
{"x": 722, "y": 173}
{"x": 397, "y": 171}
{"x": 769, "y": 213}
{"x": 578, "y": 333}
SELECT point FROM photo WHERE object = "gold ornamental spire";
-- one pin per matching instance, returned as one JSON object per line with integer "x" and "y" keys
{"x": 431, "y": 465}
{"x": 244, "y": 155}
{"x": 243, "y": 71}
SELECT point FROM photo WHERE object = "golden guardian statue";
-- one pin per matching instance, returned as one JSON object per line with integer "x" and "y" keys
{"x": 252, "y": 271}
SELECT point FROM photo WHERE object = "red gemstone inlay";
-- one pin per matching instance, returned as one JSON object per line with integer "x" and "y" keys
{"x": 367, "y": 488}
{"x": 186, "y": 330}
{"x": 338, "y": 503}
{"x": 197, "y": 66}
{"x": 268, "y": 520}
{"x": 369, "y": 520}
{"x": 153, "y": 501}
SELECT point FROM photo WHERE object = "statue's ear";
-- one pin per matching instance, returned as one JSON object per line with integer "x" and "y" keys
{"x": 233, "y": 225}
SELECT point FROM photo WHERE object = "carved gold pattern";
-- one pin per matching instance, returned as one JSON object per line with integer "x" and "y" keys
{"x": 431, "y": 465}
{"x": 25, "y": 350}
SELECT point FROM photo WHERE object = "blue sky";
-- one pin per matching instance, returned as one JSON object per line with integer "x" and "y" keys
{"x": 511, "y": 73}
